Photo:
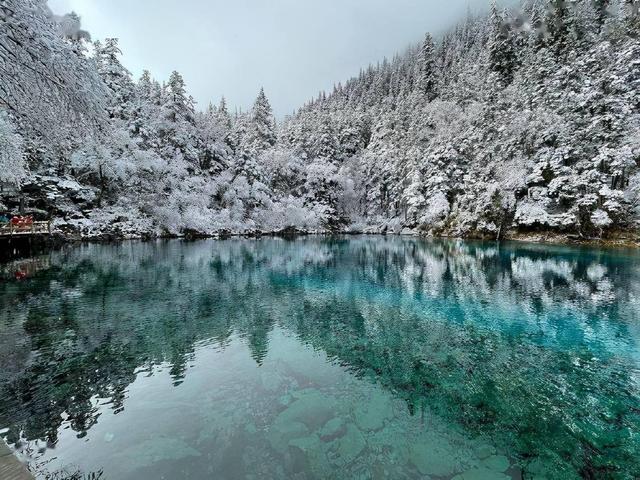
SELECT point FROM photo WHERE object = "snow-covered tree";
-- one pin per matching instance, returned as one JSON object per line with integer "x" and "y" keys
{"x": 223, "y": 117}
{"x": 103, "y": 160}
{"x": 176, "y": 127}
{"x": 538, "y": 155}
{"x": 502, "y": 55}
{"x": 213, "y": 132}
{"x": 261, "y": 129}
{"x": 13, "y": 168}
{"x": 507, "y": 123}
{"x": 69, "y": 26}
{"x": 115, "y": 77}
{"x": 178, "y": 104}
{"x": 44, "y": 83}
{"x": 428, "y": 67}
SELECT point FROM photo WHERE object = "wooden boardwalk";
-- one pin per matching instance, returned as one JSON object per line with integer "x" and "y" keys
{"x": 35, "y": 228}
{"x": 10, "y": 466}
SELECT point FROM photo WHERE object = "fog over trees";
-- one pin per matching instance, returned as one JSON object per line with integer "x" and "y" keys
{"x": 516, "y": 121}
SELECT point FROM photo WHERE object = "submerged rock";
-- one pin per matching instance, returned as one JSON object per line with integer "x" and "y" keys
{"x": 499, "y": 463}
{"x": 311, "y": 408}
{"x": 250, "y": 428}
{"x": 485, "y": 450}
{"x": 537, "y": 469}
{"x": 332, "y": 429}
{"x": 349, "y": 446}
{"x": 306, "y": 444}
{"x": 282, "y": 433}
{"x": 155, "y": 450}
{"x": 311, "y": 452}
{"x": 285, "y": 400}
{"x": 272, "y": 381}
{"x": 481, "y": 474}
{"x": 393, "y": 441}
{"x": 434, "y": 459}
{"x": 373, "y": 415}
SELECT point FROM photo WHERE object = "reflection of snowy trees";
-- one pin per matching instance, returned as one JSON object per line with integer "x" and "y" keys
{"x": 443, "y": 324}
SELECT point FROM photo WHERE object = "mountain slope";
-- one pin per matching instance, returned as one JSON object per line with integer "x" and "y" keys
{"x": 510, "y": 123}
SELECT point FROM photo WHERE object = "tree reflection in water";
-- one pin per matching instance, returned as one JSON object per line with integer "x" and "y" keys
{"x": 536, "y": 346}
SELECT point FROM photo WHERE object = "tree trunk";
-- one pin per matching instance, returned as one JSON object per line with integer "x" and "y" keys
{"x": 102, "y": 186}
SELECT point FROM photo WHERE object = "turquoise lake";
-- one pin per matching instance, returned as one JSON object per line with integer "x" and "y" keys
{"x": 323, "y": 357}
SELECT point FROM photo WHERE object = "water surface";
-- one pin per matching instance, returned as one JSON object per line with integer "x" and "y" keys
{"x": 360, "y": 357}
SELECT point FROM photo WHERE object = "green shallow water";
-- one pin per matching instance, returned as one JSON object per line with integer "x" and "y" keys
{"x": 359, "y": 357}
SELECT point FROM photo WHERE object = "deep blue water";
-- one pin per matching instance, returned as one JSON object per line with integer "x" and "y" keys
{"x": 345, "y": 357}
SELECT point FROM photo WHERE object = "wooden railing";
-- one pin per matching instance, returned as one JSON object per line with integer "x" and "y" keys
{"x": 33, "y": 228}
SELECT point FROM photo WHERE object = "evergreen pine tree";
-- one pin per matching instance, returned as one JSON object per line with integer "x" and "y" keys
{"x": 116, "y": 77}
{"x": 178, "y": 105}
{"x": 262, "y": 127}
{"x": 502, "y": 55}
{"x": 428, "y": 67}
{"x": 222, "y": 114}
{"x": 632, "y": 8}
{"x": 145, "y": 85}
{"x": 69, "y": 26}
{"x": 559, "y": 23}
{"x": 239, "y": 134}
{"x": 327, "y": 146}
{"x": 601, "y": 8}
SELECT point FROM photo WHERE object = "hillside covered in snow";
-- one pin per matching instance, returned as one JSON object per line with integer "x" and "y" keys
{"x": 514, "y": 122}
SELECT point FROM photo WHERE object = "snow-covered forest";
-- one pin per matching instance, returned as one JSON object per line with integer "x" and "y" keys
{"x": 512, "y": 122}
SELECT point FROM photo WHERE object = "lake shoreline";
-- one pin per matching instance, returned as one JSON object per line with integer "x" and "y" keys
{"x": 616, "y": 239}
{"x": 26, "y": 247}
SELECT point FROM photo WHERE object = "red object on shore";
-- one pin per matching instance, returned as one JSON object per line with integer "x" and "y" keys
{"x": 22, "y": 221}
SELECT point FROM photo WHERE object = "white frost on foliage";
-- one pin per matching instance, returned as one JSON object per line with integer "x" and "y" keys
{"x": 532, "y": 213}
{"x": 601, "y": 219}
{"x": 437, "y": 209}
{"x": 13, "y": 167}
{"x": 486, "y": 130}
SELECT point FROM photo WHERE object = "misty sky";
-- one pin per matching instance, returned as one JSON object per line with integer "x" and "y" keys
{"x": 293, "y": 48}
